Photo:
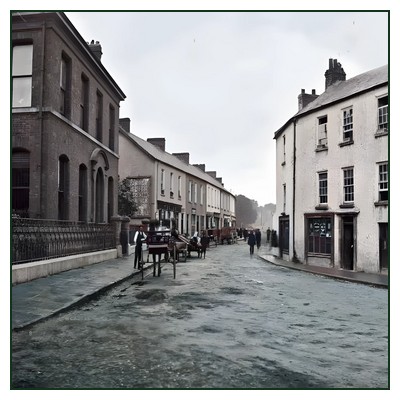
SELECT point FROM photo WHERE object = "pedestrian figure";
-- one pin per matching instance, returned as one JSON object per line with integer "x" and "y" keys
{"x": 204, "y": 240}
{"x": 245, "y": 234}
{"x": 268, "y": 235}
{"x": 251, "y": 241}
{"x": 258, "y": 238}
{"x": 139, "y": 238}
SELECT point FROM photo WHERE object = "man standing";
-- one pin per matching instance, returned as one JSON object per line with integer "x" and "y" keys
{"x": 204, "y": 240}
{"x": 258, "y": 238}
{"x": 251, "y": 241}
{"x": 139, "y": 238}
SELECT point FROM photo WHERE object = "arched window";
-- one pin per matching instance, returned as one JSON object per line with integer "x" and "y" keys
{"x": 99, "y": 196}
{"x": 63, "y": 187}
{"x": 20, "y": 182}
{"x": 82, "y": 196}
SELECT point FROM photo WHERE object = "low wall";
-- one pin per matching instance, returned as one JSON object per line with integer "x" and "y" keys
{"x": 39, "y": 269}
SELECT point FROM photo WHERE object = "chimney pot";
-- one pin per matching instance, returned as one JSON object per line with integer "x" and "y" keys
{"x": 334, "y": 74}
{"x": 96, "y": 49}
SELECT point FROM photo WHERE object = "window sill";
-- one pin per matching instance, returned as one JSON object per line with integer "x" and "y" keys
{"x": 347, "y": 143}
{"x": 322, "y": 147}
{"x": 322, "y": 207}
{"x": 381, "y": 132}
{"x": 346, "y": 205}
{"x": 381, "y": 203}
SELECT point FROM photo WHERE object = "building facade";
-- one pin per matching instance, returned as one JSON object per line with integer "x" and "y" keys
{"x": 332, "y": 174}
{"x": 65, "y": 112}
{"x": 168, "y": 188}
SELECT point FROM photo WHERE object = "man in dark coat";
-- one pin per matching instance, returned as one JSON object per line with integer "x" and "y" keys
{"x": 251, "y": 241}
{"x": 258, "y": 238}
{"x": 204, "y": 243}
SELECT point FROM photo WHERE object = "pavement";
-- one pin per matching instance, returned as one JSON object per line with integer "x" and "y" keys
{"x": 43, "y": 298}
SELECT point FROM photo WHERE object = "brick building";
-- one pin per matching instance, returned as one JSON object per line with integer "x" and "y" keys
{"x": 65, "y": 113}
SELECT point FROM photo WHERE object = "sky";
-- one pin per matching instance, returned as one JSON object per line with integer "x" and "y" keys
{"x": 219, "y": 84}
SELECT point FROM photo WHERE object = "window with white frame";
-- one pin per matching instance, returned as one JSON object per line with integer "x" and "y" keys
{"x": 162, "y": 181}
{"x": 195, "y": 193}
{"x": 323, "y": 187}
{"x": 383, "y": 182}
{"x": 323, "y": 131}
{"x": 22, "y": 75}
{"x": 348, "y": 125}
{"x": 201, "y": 194}
{"x": 383, "y": 113}
{"x": 179, "y": 186}
{"x": 190, "y": 191}
{"x": 348, "y": 184}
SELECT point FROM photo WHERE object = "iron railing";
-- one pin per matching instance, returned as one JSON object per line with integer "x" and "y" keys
{"x": 34, "y": 239}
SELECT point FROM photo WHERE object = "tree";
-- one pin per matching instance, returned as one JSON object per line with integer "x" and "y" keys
{"x": 126, "y": 201}
{"x": 246, "y": 210}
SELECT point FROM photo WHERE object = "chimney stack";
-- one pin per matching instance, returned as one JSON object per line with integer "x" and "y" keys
{"x": 96, "y": 49}
{"x": 306, "y": 98}
{"x": 213, "y": 174}
{"x": 334, "y": 74}
{"x": 201, "y": 166}
{"x": 182, "y": 156}
{"x": 125, "y": 123}
{"x": 158, "y": 142}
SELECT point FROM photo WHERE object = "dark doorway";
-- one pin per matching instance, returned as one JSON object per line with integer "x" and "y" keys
{"x": 348, "y": 243}
{"x": 383, "y": 245}
{"x": 283, "y": 235}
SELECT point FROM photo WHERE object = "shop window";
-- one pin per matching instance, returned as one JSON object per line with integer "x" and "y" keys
{"x": 319, "y": 232}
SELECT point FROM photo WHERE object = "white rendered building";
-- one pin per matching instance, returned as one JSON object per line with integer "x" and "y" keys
{"x": 332, "y": 174}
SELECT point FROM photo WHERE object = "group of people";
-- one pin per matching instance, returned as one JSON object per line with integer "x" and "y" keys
{"x": 202, "y": 241}
{"x": 253, "y": 239}
{"x": 140, "y": 238}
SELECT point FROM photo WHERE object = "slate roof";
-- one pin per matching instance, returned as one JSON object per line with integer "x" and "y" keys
{"x": 342, "y": 90}
{"x": 169, "y": 159}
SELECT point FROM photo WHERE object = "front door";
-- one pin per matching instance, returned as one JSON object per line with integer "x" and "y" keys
{"x": 383, "y": 245}
{"x": 283, "y": 236}
{"x": 348, "y": 243}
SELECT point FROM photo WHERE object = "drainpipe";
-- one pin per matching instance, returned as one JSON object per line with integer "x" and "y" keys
{"x": 294, "y": 257}
{"x": 42, "y": 184}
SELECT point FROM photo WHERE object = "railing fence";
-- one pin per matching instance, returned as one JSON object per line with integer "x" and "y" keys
{"x": 34, "y": 239}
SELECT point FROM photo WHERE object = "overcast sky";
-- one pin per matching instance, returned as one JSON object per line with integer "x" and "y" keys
{"x": 219, "y": 84}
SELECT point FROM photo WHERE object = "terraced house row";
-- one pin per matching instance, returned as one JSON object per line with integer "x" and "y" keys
{"x": 70, "y": 149}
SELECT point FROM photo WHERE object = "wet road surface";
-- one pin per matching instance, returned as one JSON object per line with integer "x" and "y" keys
{"x": 227, "y": 321}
